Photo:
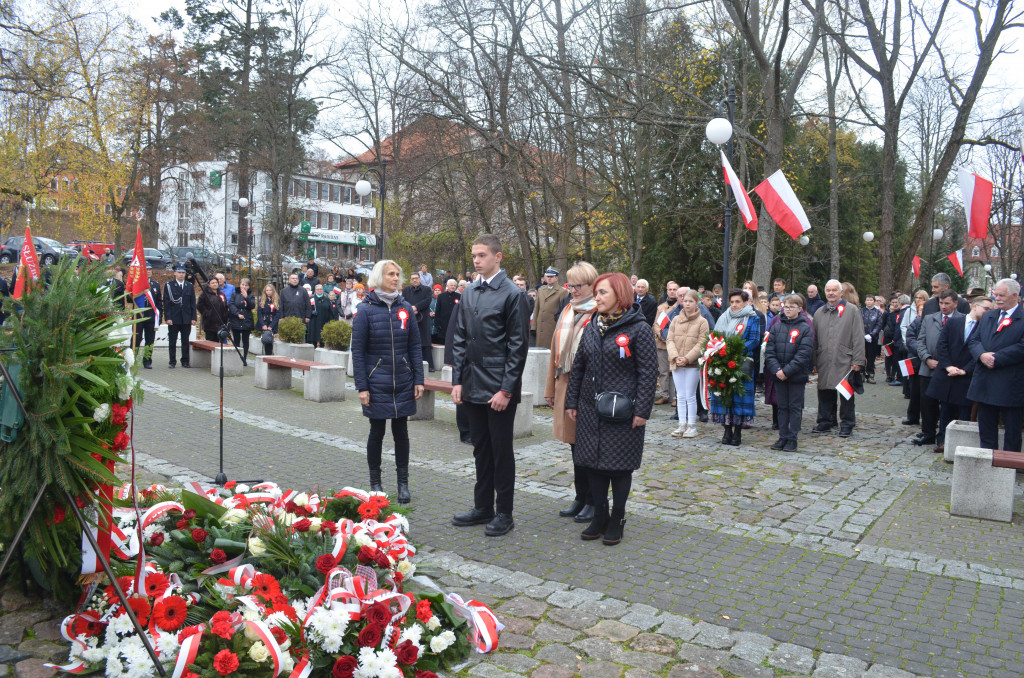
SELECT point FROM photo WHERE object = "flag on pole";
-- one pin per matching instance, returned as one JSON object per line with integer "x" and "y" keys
{"x": 27, "y": 263}
{"x": 977, "y": 192}
{"x": 746, "y": 208}
{"x": 957, "y": 259}
{"x": 916, "y": 264}
{"x": 783, "y": 205}
{"x": 137, "y": 285}
{"x": 844, "y": 389}
{"x": 662, "y": 320}
{"x": 907, "y": 367}
{"x": 887, "y": 350}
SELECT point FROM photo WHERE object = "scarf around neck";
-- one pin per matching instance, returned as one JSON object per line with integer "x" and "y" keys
{"x": 729, "y": 321}
{"x": 569, "y": 331}
{"x": 387, "y": 297}
{"x": 606, "y": 320}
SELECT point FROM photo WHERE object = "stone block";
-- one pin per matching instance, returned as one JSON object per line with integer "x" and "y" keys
{"x": 300, "y": 351}
{"x": 232, "y": 361}
{"x": 437, "y": 353}
{"x": 326, "y": 355}
{"x": 535, "y": 374}
{"x": 446, "y": 373}
{"x": 979, "y": 490}
{"x": 959, "y": 434}
{"x": 200, "y": 358}
{"x": 424, "y": 407}
{"x": 272, "y": 378}
{"x": 523, "y": 424}
{"x": 324, "y": 384}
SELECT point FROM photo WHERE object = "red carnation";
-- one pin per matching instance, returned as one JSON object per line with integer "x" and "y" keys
{"x": 199, "y": 535}
{"x": 58, "y": 514}
{"x": 217, "y": 556}
{"x": 121, "y": 441}
{"x": 181, "y": 524}
{"x": 118, "y": 415}
{"x": 407, "y": 652}
{"x": 722, "y": 352}
{"x": 423, "y": 612}
{"x": 189, "y": 514}
{"x": 345, "y": 666}
{"x": 156, "y": 539}
{"x": 302, "y": 525}
{"x": 370, "y": 636}
{"x": 225, "y": 662}
{"x": 279, "y": 635}
{"x": 366, "y": 554}
{"x": 221, "y": 625}
{"x": 382, "y": 560}
{"x": 189, "y": 631}
{"x": 732, "y": 364}
{"x": 325, "y": 563}
{"x": 230, "y": 485}
{"x": 169, "y": 614}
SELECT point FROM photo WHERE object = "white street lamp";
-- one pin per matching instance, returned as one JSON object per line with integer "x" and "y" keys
{"x": 1013, "y": 275}
{"x": 804, "y": 240}
{"x": 363, "y": 187}
{"x": 868, "y": 236}
{"x": 718, "y": 131}
{"x": 243, "y": 203}
{"x": 988, "y": 268}
{"x": 937, "y": 234}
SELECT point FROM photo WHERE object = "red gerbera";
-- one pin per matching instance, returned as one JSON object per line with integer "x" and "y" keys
{"x": 156, "y": 583}
{"x": 169, "y": 613}
{"x": 265, "y": 585}
{"x": 225, "y": 662}
{"x": 140, "y": 606}
{"x": 83, "y": 625}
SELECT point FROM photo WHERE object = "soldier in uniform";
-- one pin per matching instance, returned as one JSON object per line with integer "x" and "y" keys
{"x": 145, "y": 331}
{"x": 551, "y": 299}
{"x": 179, "y": 302}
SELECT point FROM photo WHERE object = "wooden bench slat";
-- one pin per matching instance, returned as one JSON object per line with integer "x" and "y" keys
{"x": 294, "y": 363}
{"x": 437, "y": 385}
{"x": 204, "y": 345}
{"x": 1007, "y": 459}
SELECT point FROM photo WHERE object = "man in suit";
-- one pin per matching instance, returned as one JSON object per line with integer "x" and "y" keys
{"x": 927, "y": 351}
{"x": 940, "y": 282}
{"x": 952, "y": 375}
{"x": 998, "y": 381}
{"x": 648, "y": 304}
{"x": 145, "y": 331}
{"x": 419, "y": 297}
{"x": 179, "y": 301}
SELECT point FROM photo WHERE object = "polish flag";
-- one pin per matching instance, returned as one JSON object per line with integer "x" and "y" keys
{"x": 977, "y": 192}
{"x": 906, "y": 367}
{"x": 887, "y": 350}
{"x": 746, "y": 207}
{"x": 845, "y": 389}
{"x": 957, "y": 259}
{"x": 27, "y": 265}
{"x": 783, "y": 205}
{"x": 662, "y": 320}
{"x": 137, "y": 285}
{"x": 916, "y": 265}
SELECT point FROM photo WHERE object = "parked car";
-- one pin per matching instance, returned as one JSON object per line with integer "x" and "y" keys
{"x": 158, "y": 259}
{"x": 208, "y": 260}
{"x": 290, "y": 264}
{"x": 93, "y": 250}
{"x": 48, "y": 250}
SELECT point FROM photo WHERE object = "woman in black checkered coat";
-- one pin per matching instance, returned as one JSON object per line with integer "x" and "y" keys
{"x": 616, "y": 353}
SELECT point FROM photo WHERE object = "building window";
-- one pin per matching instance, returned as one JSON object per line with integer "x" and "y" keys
{"x": 348, "y": 195}
{"x": 994, "y": 252}
{"x": 335, "y": 222}
{"x": 976, "y": 252}
{"x": 336, "y": 193}
{"x": 234, "y": 207}
{"x": 334, "y": 251}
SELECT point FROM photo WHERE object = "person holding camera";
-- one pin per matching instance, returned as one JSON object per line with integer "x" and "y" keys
{"x": 214, "y": 310}
{"x": 240, "y": 308}
{"x": 610, "y": 397}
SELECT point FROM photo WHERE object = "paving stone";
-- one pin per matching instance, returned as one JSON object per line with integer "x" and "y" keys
{"x": 640, "y": 673}
{"x": 883, "y": 671}
{"x": 838, "y": 666}
{"x": 544, "y": 590}
{"x": 516, "y": 641}
{"x": 517, "y": 662}
{"x": 523, "y": 607}
{"x": 546, "y": 632}
{"x": 643, "y": 660}
{"x": 613, "y": 630}
{"x": 644, "y": 617}
{"x": 596, "y": 648}
{"x": 552, "y": 671}
{"x": 516, "y": 624}
{"x": 792, "y": 658}
{"x": 560, "y": 655}
{"x": 653, "y": 642}
{"x": 572, "y": 618}
{"x": 601, "y": 669}
{"x": 691, "y": 670}
{"x": 713, "y": 635}
{"x": 490, "y": 671}
{"x": 13, "y": 625}
{"x": 698, "y": 654}
{"x": 675, "y": 626}
{"x": 9, "y": 654}
{"x": 606, "y": 608}
{"x": 32, "y": 668}
{"x": 496, "y": 591}
{"x": 44, "y": 649}
{"x": 745, "y": 669}
{"x": 5, "y": 670}
{"x": 14, "y": 599}
{"x": 573, "y": 597}
{"x": 752, "y": 647}
{"x": 520, "y": 581}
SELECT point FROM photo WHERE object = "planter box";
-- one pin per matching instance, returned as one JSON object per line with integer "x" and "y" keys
{"x": 325, "y": 355}
{"x": 297, "y": 351}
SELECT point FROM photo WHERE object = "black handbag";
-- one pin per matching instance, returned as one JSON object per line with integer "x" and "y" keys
{"x": 267, "y": 337}
{"x": 612, "y": 406}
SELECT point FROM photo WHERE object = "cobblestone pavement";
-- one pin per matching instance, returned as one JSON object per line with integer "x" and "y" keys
{"x": 840, "y": 552}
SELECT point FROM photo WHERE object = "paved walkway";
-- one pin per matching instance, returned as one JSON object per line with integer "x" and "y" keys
{"x": 842, "y": 549}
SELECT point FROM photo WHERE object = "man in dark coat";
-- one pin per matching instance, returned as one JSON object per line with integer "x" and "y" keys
{"x": 872, "y": 317}
{"x": 648, "y": 304}
{"x": 179, "y": 302}
{"x": 461, "y": 418}
{"x": 814, "y": 301}
{"x": 998, "y": 382}
{"x": 489, "y": 356}
{"x": 952, "y": 375}
{"x": 927, "y": 348}
{"x": 295, "y": 300}
{"x": 145, "y": 331}
{"x": 419, "y": 297}
{"x": 940, "y": 282}
{"x": 446, "y": 303}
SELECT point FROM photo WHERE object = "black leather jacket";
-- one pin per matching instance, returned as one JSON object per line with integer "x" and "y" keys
{"x": 491, "y": 340}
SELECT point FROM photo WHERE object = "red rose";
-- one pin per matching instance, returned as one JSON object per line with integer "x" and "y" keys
{"x": 382, "y": 561}
{"x": 189, "y": 514}
{"x": 423, "y": 612}
{"x": 325, "y": 563}
{"x": 370, "y": 636}
{"x": 217, "y": 556}
{"x": 406, "y": 652}
{"x": 378, "y": 614}
{"x": 329, "y": 526}
{"x": 426, "y": 674}
{"x": 181, "y": 524}
{"x": 722, "y": 352}
{"x": 302, "y": 511}
{"x": 199, "y": 535}
{"x": 221, "y": 625}
{"x": 225, "y": 662}
{"x": 302, "y": 525}
{"x": 732, "y": 364}
{"x": 345, "y": 666}
{"x": 366, "y": 554}
{"x": 156, "y": 539}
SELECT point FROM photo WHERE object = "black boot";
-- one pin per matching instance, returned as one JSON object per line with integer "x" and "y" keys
{"x": 616, "y": 526}
{"x": 598, "y": 524}
{"x": 375, "y": 485}
{"x": 737, "y": 436}
{"x": 727, "y": 438}
{"x": 403, "y": 485}
{"x": 586, "y": 515}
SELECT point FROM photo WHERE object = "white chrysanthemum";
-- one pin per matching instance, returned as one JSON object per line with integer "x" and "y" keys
{"x": 114, "y": 667}
{"x": 413, "y": 633}
{"x": 93, "y": 655}
{"x": 434, "y": 623}
{"x": 241, "y": 489}
{"x": 278, "y": 619}
{"x": 406, "y": 568}
{"x": 129, "y": 357}
{"x": 167, "y": 643}
{"x": 362, "y": 539}
{"x": 259, "y": 652}
{"x": 101, "y": 413}
{"x": 121, "y": 625}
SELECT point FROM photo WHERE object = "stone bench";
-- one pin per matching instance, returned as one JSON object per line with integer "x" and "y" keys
{"x": 210, "y": 353}
{"x": 960, "y": 434}
{"x": 983, "y": 483}
{"x": 521, "y": 427}
{"x": 322, "y": 383}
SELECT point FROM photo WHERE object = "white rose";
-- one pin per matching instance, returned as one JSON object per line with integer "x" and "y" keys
{"x": 256, "y": 546}
{"x": 314, "y": 524}
{"x": 717, "y": 393}
{"x": 437, "y": 645}
{"x": 241, "y": 489}
{"x": 288, "y": 518}
{"x": 259, "y": 652}
{"x": 362, "y": 539}
{"x": 101, "y": 413}
{"x": 232, "y": 517}
{"x": 301, "y": 500}
{"x": 732, "y": 380}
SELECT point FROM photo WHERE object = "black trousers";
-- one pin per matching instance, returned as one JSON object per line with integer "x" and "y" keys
{"x": 929, "y": 408}
{"x": 891, "y": 371}
{"x": 375, "y": 442}
{"x": 620, "y": 481}
{"x": 173, "y": 332}
{"x": 491, "y": 432}
{"x": 462, "y": 421}
{"x": 428, "y": 355}
{"x": 791, "y": 408}
{"x": 949, "y": 412}
{"x": 871, "y": 349}
{"x": 268, "y": 348}
{"x": 145, "y": 334}
{"x": 912, "y": 387}
{"x": 988, "y": 427}
{"x": 827, "y": 409}
{"x": 241, "y": 339}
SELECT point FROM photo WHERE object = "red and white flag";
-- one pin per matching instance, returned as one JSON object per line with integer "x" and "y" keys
{"x": 137, "y": 284}
{"x": 783, "y": 205}
{"x": 957, "y": 259}
{"x": 887, "y": 350}
{"x": 907, "y": 367}
{"x": 662, "y": 320}
{"x": 977, "y": 192}
{"x": 916, "y": 266}
{"x": 30, "y": 261}
{"x": 845, "y": 389}
{"x": 746, "y": 207}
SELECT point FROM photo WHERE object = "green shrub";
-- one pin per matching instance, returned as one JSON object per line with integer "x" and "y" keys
{"x": 292, "y": 330}
{"x": 337, "y": 335}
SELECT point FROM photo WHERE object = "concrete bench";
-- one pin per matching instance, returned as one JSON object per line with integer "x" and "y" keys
{"x": 209, "y": 354}
{"x": 960, "y": 434}
{"x": 323, "y": 383}
{"x": 521, "y": 427}
{"x": 983, "y": 483}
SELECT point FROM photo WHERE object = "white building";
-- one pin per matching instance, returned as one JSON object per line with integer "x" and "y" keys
{"x": 199, "y": 208}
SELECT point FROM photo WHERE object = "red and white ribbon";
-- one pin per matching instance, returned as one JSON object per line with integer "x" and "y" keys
{"x": 793, "y": 334}
{"x": 157, "y": 511}
{"x": 261, "y": 630}
{"x": 403, "y": 315}
{"x": 187, "y": 654}
{"x": 482, "y": 620}
{"x": 622, "y": 341}
{"x": 67, "y": 632}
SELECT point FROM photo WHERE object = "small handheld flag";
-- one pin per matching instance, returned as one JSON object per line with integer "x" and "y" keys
{"x": 916, "y": 264}
{"x": 28, "y": 264}
{"x": 844, "y": 389}
{"x": 662, "y": 320}
{"x": 907, "y": 367}
{"x": 887, "y": 350}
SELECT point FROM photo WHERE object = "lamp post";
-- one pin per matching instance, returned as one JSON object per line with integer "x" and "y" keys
{"x": 804, "y": 241}
{"x": 718, "y": 132}
{"x": 868, "y": 236}
{"x": 936, "y": 235}
{"x": 363, "y": 188}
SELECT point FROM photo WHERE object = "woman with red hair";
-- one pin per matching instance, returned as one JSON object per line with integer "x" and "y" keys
{"x": 616, "y": 356}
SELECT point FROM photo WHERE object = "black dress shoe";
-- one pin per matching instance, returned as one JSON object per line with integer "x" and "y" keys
{"x": 185, "y": 365}
{"x": 675, "y": 415}
{"x": 921, "y": 440}
{"x": 466, "y": 440}
{"x": 822, "y": 428}
{"x": 147, "y": 365}
{"x": 845, "y": 432}
{"x": 572, "y": 509}
{"x": 171, "y": 366}
{"x": 586, "y": 515}
{"x": 476, "y": 516}
{"x": 779, "y": 444}
{"x": 910, "y": 422}
{"x": 703, "y": 417}
{"x": 790, "y": 446}
{"x": 501, "y": 524}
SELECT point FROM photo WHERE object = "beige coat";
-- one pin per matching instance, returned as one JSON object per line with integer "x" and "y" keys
{"x": 687, "y": 338}
{"x": 546, "y": 312}
{"x": 658, "y": 341}
{"x": 838, "y": 344}
{"x": 562, "y": 427}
